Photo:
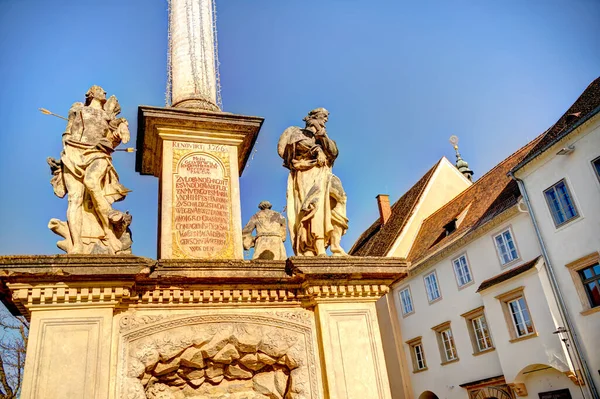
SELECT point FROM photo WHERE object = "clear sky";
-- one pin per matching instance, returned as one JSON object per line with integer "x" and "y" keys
{"x": 399, "y": 77}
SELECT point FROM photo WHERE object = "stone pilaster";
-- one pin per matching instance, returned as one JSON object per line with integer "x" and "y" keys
{"x": 198, "y": 157}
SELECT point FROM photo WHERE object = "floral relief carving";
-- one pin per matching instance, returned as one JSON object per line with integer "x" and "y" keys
{"x": 224, "y": 356}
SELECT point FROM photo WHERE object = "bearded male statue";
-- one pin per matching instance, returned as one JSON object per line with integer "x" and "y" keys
{"x": 270, "y": 233}
{"x": 85, "y": 174}
{"x": 316, "y": 201}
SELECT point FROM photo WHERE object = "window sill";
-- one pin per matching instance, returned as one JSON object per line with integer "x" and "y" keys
{"x": 420, "y": 371}
{"x": 470, "y": 283}
{"x": 590, "y": 311}
{"x": 435, "y": 300}
{"x": 567, "y": 223}
{"x": 483, "y": 352}
{"x": 523, "y": 338}
{"x": 512, "y": 263}
{"x": 450, "y": 361}
{"x": 404, "y": 316}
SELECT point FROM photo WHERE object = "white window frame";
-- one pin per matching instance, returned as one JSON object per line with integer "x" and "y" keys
{"x": 449, "y": 345}
{"x": 479, "y": 324}
{"x": 403, "y": 305}
{"x": 437, "y": 287}
{"x": 456, "y": 271}
{"x": 419, "y": 356}
{"x": 551, "y": 209}
{"x": 521, "y": 312}
{"x": 505, "y": 243}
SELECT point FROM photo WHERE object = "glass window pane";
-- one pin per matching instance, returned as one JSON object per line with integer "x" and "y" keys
{"x": 593, "y": 290}
{"x": 597, "y": 166}
{"x": 587, "y": 273}
{"x": 555, "y": 206}
{"x": 596, "y": 270}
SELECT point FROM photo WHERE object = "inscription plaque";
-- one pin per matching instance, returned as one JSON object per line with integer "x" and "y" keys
{"x": 202, "y": 215}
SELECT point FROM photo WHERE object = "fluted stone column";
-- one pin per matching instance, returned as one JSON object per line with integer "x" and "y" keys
{"x": 192, "y": 45}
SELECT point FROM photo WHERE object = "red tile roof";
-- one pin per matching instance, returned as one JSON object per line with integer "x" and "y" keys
{"x": 377, "y": 240}
{"x": 507, "y": 275}
{"x": 586, "y": 106}
{"x": 489, "y": 196}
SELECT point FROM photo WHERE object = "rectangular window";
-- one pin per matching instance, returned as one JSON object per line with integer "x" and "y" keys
{"x": 590, "y": 277}
{"x": 520, "y": 317}
{"x": 420, "y": 358}
{"x": 431, "y": 285}
{"x": 407, "y": 305}
{"x": 506, "y": 247}
{"x": 482, "y": 334}
{"x": 417, "y": 354}
{"x": 560, "y": 203}
{"x": 517, "y": 315}
{"x": 461, "y": 270}
{"x": 448, "y": 342}
{"x": 478, "y": 330}
{"x": 596, "y": 165}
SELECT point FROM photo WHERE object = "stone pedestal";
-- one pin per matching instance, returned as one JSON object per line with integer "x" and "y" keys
{"x": 198, "y": 157}
{"x": 136, "y": 328}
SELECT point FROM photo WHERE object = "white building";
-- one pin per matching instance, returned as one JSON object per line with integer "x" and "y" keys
{"x": 477, "y": 314}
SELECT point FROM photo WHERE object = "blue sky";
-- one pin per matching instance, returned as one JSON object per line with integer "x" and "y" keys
{"x": 398, "y": 77}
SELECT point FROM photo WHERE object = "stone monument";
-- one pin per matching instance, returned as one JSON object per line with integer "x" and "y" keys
{"x": 198, "y": 322}
{"x": 316, "y": 201}
{"x": 86, "y": 175}
{"x": 270, "y": 233}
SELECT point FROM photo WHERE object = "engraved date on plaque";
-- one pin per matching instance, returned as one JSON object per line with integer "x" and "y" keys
{"x": 201, "y": 203}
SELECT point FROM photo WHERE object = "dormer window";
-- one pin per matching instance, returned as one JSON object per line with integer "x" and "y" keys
{"x": 450, "y": 227}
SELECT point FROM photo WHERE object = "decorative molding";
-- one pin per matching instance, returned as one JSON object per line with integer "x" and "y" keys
{"x": 575, "y": 377}
{"x": 341, "y": 293}
{"x": 287, "y": 337}
{"x": 27, "y": 296}
{"x": 519, "y": 388}
{"x": 174, "y": 295}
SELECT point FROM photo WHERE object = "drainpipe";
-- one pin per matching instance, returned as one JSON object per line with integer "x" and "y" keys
{"x": 558, "y": 295}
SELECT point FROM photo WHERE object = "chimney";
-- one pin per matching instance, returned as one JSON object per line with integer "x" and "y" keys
{"x": 383, "y": 202}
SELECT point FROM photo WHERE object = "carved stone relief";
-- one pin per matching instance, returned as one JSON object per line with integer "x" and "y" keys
{"x": 218, "y": 356}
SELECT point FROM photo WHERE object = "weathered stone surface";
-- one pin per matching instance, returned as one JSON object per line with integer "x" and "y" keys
{"x": 217, "y": 343}
{"x": 136, "y": 369}
{"x": 192, "y": 357}
{"x": 164, "y": 368}
{"x": 197, "y": 382}
{"x": 248, "y": 341}
{"x": 251, "y": 361}
{"x": 266, "y": 359}
{"x": 214, "y": 370}
{"x": 216, "y": 379}
{"x": 280, "y": 381}
{"x": 159, "y": 391}
{"x": 264, "y": 383}
{"x": 85, "y": 172}
{"x": 226, "y": 355}
{"x": 190, "y": 374}
{"x": 235, "y": 371}
{"x": 270, "y": 233}
{"x": 309, "y": 154}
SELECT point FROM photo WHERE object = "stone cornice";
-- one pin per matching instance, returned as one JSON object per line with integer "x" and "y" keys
{"x": 28, "y": 282}
{"x": 157, "y": 123}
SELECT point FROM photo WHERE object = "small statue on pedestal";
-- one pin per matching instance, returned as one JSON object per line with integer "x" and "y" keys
{"x": 270, "y": 233}
{"x": 316, "y": 201}
{"x": 85, "y": 174}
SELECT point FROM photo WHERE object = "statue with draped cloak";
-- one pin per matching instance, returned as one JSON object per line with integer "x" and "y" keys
{"x": 316, "y": 201}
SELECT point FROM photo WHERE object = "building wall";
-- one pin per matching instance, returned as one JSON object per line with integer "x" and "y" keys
{"x": 446, "y": 183}
{"x": 542, "y": 348}
{"x": 549, "y": 380}
{"x": 579, "y": 237}
{"x": 444, "y": 380}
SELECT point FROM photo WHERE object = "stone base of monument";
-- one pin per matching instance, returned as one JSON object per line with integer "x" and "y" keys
{"x": 136, "y": 328}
